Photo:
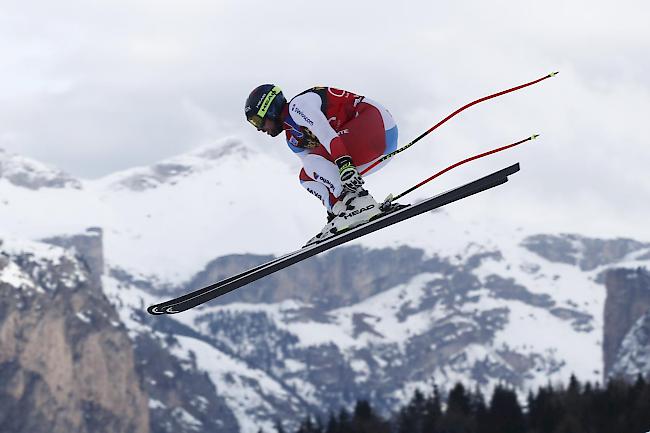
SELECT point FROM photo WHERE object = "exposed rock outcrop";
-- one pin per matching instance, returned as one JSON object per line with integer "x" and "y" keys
{"x": 633, "y": 357}
{"x": 88, "y": 248}
{"x": 587, "y": 253}
{"x": 628, "y": 301}
{"x": 66, "y": 362}
{"x": 367, "y": 271}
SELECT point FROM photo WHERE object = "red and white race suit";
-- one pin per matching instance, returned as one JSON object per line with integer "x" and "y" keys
{"x": 323, "y": 124}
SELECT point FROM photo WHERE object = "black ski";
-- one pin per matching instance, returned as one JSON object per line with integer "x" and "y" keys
{"x": 220, "y": 288}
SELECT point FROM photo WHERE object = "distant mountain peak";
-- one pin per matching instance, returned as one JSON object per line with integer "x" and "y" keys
{"x": 31, "y": 174}
{"x": 171, "y": 170}
{"x": 226, "y": 147}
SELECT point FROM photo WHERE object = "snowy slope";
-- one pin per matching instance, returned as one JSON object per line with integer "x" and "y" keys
{"x": 43, "y": 256}
{"x": 214, "y": 201}
{"x": 166, "y": 220}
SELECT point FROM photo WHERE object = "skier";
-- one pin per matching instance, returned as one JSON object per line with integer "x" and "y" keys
{"x": 334, "y": 131}
{"x": 336, "y": 134}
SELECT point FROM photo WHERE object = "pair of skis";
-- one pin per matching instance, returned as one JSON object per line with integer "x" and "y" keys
{"x": 220, "y": 288}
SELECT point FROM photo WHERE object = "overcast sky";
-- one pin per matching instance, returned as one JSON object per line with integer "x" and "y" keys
{"x": 97, "y": 86}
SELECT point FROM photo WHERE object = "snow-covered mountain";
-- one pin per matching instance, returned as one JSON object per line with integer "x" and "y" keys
{"x": 28, "y": 173}
{"x": 434, "y": 299}
{"x": 169, "y": 219}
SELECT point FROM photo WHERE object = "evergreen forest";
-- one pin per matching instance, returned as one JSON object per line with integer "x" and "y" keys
{"x": 618, "y": 407}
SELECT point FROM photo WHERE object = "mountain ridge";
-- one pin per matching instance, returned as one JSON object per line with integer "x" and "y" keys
{"x": 32, "y": 174}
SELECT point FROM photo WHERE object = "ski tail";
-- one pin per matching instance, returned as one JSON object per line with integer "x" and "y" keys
{"x": 159, "y": 308}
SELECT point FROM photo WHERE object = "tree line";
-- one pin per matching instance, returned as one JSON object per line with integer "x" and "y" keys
{"x": 618, "y": 407}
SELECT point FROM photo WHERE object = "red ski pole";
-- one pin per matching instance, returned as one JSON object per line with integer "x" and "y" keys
{"x": 434, "y": 127}
{"x": 390, "y": 198}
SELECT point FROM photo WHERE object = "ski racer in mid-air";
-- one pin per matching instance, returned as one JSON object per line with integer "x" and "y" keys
{"x": 336, "y": 134}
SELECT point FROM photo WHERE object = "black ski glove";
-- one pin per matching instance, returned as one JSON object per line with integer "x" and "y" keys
{"x": 350, "y": 177}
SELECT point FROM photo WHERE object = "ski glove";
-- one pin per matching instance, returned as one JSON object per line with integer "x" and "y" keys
{"x": 350, "y": 177}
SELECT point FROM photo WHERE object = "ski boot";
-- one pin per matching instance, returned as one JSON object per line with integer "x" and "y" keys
{"x": 351, "y": 210}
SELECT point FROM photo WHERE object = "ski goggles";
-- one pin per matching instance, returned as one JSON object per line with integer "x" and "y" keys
{"x": 256, "y": 120}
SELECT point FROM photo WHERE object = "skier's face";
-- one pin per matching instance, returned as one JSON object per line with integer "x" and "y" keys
{"x": 271, "y": 127}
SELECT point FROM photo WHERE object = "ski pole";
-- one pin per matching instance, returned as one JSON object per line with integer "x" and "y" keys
{"x": 464, "y": 107}
{"x": 390, "y": 197}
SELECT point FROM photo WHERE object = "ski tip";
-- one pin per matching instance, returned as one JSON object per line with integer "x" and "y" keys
{"x": 553, "y": 74}
{"x": 534, "y": 137}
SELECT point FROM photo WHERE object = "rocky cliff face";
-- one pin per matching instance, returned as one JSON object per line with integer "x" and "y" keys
{"x": 343, "y": 277}
{"x": 584, "y": 252}
{"x": 633, "y": 357}
{"x": 626, "y": 344}
{"x": 66, "y": 361}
